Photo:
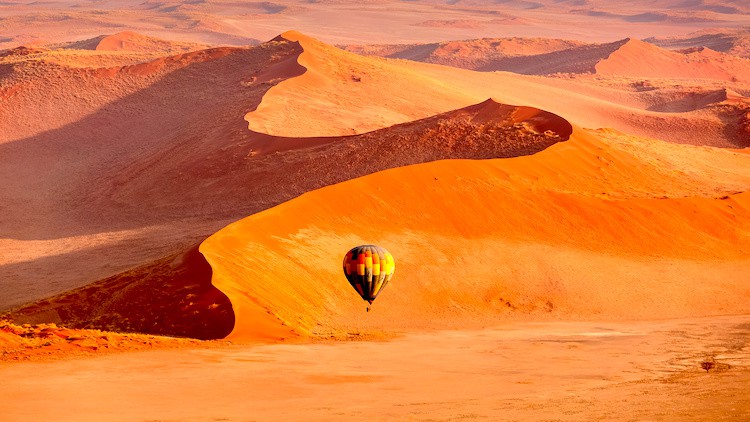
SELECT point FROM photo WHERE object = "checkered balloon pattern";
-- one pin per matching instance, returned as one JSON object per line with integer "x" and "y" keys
{"x": 368, "y": 268}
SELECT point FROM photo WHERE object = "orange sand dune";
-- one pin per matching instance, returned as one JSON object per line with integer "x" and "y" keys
{"x": 331, "y": 90}
{"x": 638, "y": 58}
{"x": 479, "y": 241}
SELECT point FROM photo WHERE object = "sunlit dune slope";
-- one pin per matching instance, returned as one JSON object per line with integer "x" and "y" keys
{"x": 595, "y": 227}
{"x": 331, "y": 91}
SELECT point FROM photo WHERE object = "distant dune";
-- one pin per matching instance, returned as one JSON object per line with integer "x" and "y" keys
{"x": 628, "y": 57}
{"x": 486, "y": 53}
{"x": 637, "y": 58}
{"x": 222, "y": 22}
{"x": 133, "y": 42}
{"x": 733, "y": 42}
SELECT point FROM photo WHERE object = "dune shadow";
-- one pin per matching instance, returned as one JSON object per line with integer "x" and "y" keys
{"x": 79, "y": 172}
{"x": 172, "y": 296}
{"x": 581, "y": 59}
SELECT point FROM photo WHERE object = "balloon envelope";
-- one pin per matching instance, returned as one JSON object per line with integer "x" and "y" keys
{"x": 368, "y": 268}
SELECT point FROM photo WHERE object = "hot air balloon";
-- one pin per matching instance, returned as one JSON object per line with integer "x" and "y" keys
{"x": 368, "y": 268}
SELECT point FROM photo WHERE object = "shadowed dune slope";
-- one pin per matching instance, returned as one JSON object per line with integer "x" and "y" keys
{"x": 579, "y": 230}
{"x": 171, "y": 296}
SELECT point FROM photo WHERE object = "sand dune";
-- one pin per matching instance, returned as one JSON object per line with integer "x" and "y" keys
{"x": 555, "y": 192}
{"x": 133, "y": 42}
{"x": 189, "y": 174}
{"x": 628, "y": 57}
{"x": 481, "y": 54}
{"x": 733, "y": 42}
{"x": 638, "y": 58}
{"x": 317, "y": 115}
{"x": 490, "y": 258}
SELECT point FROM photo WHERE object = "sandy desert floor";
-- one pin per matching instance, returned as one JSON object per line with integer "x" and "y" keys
{"x": 564, "y": 185}
{"x": 562, "y": 371}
